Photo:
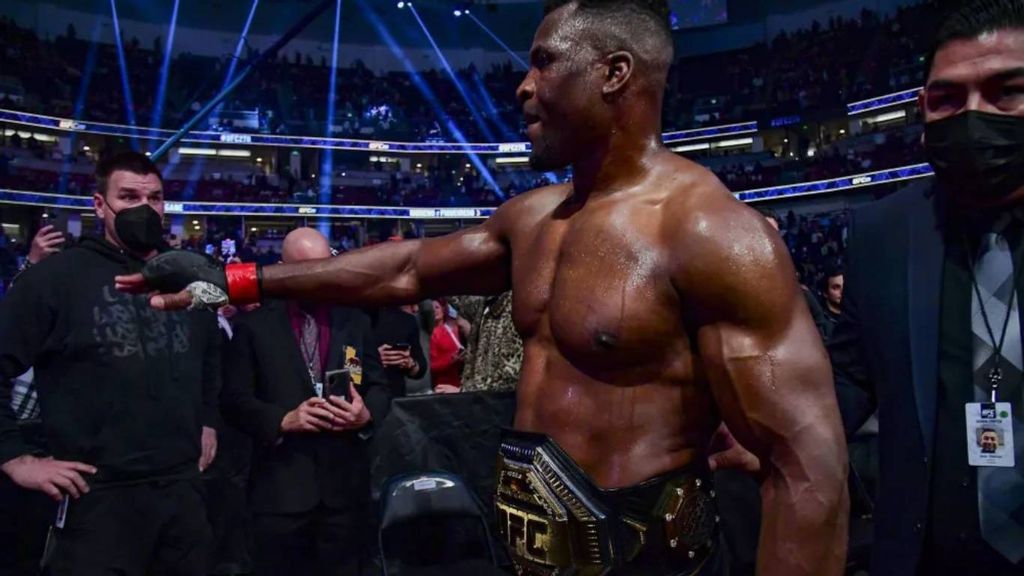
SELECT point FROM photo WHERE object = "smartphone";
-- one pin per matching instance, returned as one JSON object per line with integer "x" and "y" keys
{"x": 337, "y": 384}
{"x": 401, "y": 347}
{"x": 59, "y": 221}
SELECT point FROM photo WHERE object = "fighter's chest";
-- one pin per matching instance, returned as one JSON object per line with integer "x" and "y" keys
{"x": 596, "y": 285}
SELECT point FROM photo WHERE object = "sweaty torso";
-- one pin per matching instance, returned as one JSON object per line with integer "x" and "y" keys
{"x": 609, "y": 370}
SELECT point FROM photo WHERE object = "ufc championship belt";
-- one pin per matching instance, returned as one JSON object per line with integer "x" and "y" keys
{"x": 556, "y": 522}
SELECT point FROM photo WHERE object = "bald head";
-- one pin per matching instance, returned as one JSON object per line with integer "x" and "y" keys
{"x": 304, "y": 244}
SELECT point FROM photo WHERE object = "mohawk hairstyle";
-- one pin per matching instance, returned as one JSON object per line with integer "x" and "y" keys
{"x": 641, "y": 27}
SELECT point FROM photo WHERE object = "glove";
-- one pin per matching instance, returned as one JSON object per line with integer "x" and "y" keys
{"x": 210, "y": 284}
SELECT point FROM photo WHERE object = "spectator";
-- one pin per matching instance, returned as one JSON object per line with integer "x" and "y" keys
{"x": 128, "y": 397}
{"x": 29, "y": 512}
{"x": 397, "y": 334}
{"x": 447, "y": 353}
{"x": 226, "y": 483}
{"x": 812, "y": 303}
{"x": 309, "y": 488}
{"x": 833, "y": 293}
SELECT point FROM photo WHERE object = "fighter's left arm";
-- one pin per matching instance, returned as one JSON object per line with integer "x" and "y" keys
{"x": 770, "y": 377}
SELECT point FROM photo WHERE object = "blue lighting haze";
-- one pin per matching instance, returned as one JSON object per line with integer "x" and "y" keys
{"x": 428, "y": 94}
{"x": 165, "y": 69}
{"x": 125, "y": 83}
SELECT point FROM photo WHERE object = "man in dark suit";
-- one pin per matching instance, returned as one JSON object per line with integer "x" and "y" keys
{"x": 932, "y": 325}
{"x": 309, "y": 487}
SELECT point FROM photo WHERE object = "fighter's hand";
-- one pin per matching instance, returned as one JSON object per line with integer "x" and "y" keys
{"x": 46, "y": 242}
{"x": 53, "y": 477}
{"x": 310, "y": 416}
{"x": 209, "y": 445}
{"x": 727, "y": 453}
{"x": 352, "y": 415}
{"x": 446, "y": 389}
{"x": 180, "y": 279}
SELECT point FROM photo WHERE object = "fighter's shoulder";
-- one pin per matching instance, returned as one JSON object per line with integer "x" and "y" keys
{"x": 704, "y": 221}
{"x": 698, "y": 203}
{"x": 532, "y": 205}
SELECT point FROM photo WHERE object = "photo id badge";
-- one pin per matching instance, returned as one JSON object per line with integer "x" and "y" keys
{"x": 318, "y": 389}
{"x": 989, "y": 434}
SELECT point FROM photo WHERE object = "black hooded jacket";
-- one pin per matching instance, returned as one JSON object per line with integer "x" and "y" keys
{"x": 121, "y": 386}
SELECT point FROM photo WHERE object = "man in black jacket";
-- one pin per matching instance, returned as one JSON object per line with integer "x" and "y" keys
{"x": 931, "y": 325}
{"x": 127, "y": 397}
{"x": 397, "y": 334}
{"x": 309, "y": 487}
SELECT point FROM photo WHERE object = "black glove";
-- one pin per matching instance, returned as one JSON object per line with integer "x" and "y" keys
{"x": 173, "y": 271}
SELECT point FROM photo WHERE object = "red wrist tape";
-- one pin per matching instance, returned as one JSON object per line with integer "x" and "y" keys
{"x": 243, "y": 283}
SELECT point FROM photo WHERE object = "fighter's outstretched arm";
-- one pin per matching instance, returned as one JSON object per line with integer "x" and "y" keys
{"x": 471, "y": 261}
{"x": 771, "y": 380}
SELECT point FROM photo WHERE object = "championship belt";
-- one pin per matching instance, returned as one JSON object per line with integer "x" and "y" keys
{"x": 555, "y": 522}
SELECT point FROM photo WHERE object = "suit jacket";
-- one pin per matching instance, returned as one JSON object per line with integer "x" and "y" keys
{"x": 265, "y": 378}
{"x": 885, "y": 353}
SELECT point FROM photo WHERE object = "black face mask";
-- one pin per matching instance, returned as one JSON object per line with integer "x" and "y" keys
{"x": 977, "y": 155}
{"x": 140, "y": 229}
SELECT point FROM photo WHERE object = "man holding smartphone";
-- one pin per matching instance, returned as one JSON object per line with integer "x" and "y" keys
{"x": 309, "y": 401}
{"x": 397, "y": 333}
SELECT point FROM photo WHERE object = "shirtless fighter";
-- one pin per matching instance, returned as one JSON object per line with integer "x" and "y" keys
{"x": 652, "y": 306}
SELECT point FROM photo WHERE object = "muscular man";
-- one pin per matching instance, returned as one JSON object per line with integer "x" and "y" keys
{"x": 652, "y": 305}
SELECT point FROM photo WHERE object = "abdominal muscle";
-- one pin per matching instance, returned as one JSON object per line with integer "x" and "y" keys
{"x": 619, "y": 429}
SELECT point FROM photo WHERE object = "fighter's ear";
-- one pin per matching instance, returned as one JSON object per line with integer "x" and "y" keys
{"x": 620, "y": 69}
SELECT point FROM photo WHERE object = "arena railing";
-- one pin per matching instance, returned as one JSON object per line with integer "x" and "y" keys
{"x": 879, "y": 102}
{"x": 199, "y": 137}
{"x": 121, "y": 130}
{"x": 829, "y": 186}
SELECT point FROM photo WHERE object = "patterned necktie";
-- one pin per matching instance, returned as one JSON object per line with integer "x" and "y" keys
{"x": 311, "y": 345}
{"x": 1000, "y": 490}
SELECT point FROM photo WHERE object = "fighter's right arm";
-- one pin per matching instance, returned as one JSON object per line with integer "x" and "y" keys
{"x": 471, "y": 261}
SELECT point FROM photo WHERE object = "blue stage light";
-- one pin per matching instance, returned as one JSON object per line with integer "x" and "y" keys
{"x": 401, "y": 5}
{"x": 457, "y": 13}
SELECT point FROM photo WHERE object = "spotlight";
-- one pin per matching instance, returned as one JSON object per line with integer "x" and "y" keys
{"x": 457, "y": 13}
{"x": 85, "y": 147}
{"x": 401, "y": 5}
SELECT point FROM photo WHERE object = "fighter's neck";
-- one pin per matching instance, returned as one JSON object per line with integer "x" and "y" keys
{"x": 616, "y": 165}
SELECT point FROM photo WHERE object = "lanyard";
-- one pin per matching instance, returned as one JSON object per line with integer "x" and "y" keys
{"x": 995, "y": 375}
{"x": 307, "y": 351}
